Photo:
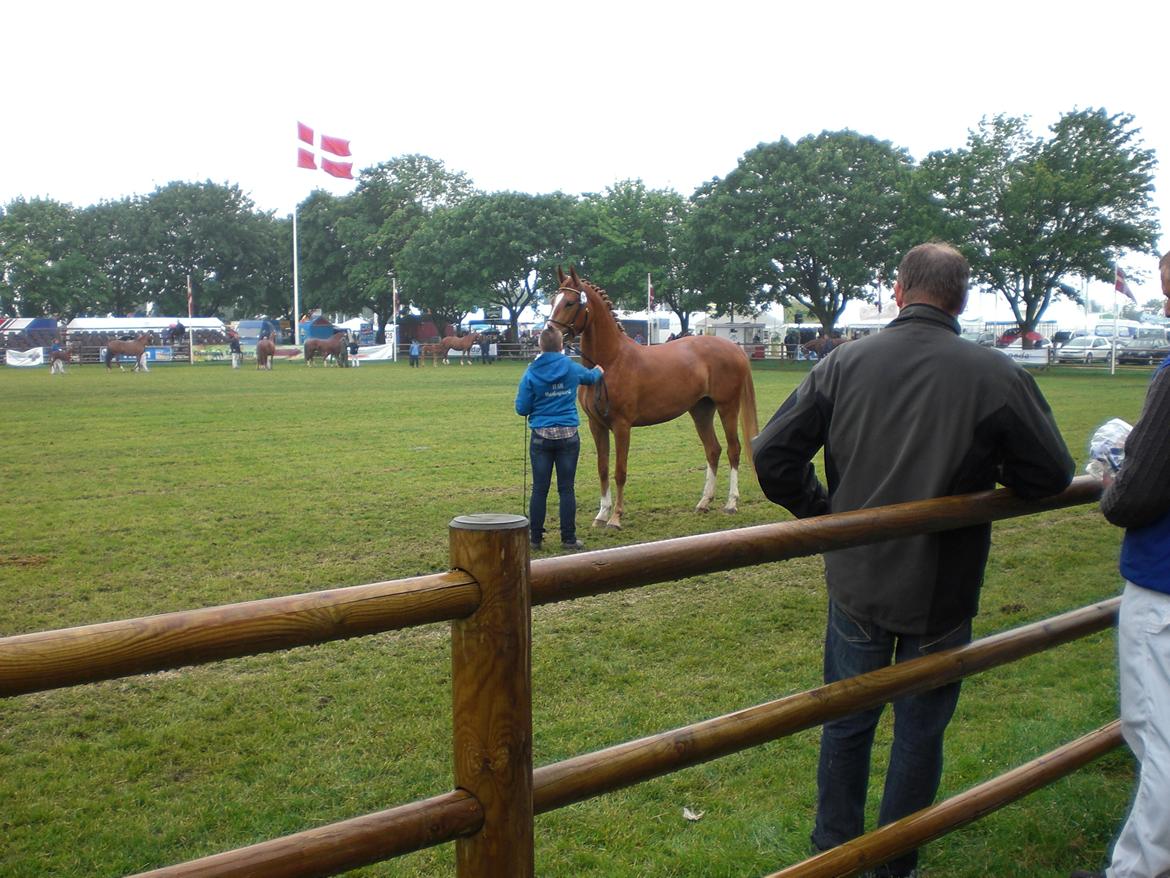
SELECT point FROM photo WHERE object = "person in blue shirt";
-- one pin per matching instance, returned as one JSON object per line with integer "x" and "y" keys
{"x": 547, "y": 396}
{"x": 1138, "y": 499}
{"x": 414, "y": 352}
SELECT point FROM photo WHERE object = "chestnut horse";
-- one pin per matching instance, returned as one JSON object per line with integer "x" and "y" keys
{"x": 823, "y": 345}
{"x": 699, "y": 374}
{"x": 59, "y": 359}
{"x": 135, "y": 349}
{"x": 265, "y": 351}
{"x": 463, "y": 345}
{"x": 332, "y": 347}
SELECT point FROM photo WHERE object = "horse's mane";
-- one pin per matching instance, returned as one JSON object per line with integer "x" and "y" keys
{"x": 608, "y": 303}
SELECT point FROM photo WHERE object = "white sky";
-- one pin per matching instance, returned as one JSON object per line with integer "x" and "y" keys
{"x": 108, "y": 99}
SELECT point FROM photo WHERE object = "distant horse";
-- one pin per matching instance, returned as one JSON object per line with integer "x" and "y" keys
{"x": 135, "y": 349}
{"x": 332, "y": 347}
{"x": 265, "y": 351}
{"x": 699, "y": 374}
{"x": 434, "y": 351}
{"x": 59, "y": 359}
{"x": 822, "y": 346}
{"x": 463, "y": 345}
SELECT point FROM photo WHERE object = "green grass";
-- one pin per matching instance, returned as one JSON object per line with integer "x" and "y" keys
{"x": 128, "y": 495}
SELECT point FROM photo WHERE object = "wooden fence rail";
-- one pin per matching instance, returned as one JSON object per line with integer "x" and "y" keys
{"x": 488, "y": 596}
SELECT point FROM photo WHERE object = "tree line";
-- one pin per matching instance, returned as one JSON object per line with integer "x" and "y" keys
{"x": 810, "y": 224}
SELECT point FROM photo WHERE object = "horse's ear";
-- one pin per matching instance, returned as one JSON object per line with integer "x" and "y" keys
{"x": 560, "y": 275}
{"x": 573, "y": 275}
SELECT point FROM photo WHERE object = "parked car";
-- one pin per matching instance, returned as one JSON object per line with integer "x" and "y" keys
{"x": 1038, "y": 342}
{"x": 1141, "y": 352}
{"x": 1013, "y": 335}
{"x": 1085, "y": 349}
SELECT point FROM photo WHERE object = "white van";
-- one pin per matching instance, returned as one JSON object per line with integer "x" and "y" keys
{"x": 1131, "y": 329}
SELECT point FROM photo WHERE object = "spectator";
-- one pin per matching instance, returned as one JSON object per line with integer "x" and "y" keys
{"x": 234, "y": 347}
{"x": 547, "y": 396}
{"x": 415, "y": 351}
{"x": 910, "y": 413}
{"x": 1139, "y": 500}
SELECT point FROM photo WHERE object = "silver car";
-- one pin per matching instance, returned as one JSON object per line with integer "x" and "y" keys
{"x": 1085, "y": 349}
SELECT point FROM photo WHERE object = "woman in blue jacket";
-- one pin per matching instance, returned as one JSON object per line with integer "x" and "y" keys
{"x": 547, "y": 396}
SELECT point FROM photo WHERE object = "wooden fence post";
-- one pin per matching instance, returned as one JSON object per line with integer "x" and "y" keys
{"x": 491, "y": 660}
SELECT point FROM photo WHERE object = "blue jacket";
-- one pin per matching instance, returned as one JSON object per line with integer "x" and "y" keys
{"x": 414, "y": 349}
{"x": 548, "y": 390}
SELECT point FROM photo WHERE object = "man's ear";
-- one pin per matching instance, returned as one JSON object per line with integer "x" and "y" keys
{"x": 898, "y": 294}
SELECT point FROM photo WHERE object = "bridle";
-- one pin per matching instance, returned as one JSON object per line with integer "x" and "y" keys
{"x": 567, "y": 328}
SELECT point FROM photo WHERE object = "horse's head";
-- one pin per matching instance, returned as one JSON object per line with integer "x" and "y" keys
{"x": 570, "y": 312}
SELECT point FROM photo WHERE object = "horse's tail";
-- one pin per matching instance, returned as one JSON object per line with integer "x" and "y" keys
{"x": 747, "y": 412}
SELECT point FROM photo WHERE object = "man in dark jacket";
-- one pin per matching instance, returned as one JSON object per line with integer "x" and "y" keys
{"x": 909, "y": 413}
{"x": 548, "y": 397}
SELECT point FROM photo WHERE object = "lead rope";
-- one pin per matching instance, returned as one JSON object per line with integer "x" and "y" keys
{"x": 524, "y": 495}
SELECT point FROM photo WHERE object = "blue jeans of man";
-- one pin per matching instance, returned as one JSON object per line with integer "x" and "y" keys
{"x": 547, "y": 455}
{"x": 854, "y": 647}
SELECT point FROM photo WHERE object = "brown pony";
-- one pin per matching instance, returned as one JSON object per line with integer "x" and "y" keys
{"x": 58, "y": 360}
{"x": 699, "y": 374}
{"x": 434, "y": 351}
{"x": 332, "y": 347}
{"x": 823, "y": 345}
{"x": 265, "y": 351}
{"x": 135, "y": 349}
{"x": 463, "y": 345}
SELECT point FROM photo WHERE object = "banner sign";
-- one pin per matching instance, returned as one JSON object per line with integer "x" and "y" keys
{"x": 31, "y": 357}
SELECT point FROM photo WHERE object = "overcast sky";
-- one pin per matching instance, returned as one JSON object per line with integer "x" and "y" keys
{"x": 109, "y": 99}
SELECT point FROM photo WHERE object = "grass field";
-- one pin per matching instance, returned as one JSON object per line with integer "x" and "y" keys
{"x": 126, "y": 495}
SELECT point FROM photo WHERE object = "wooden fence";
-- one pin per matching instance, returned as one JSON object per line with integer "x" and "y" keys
{"x": 488, "y": 596}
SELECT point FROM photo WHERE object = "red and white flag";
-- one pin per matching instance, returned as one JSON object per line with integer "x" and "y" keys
{"x": 307, "y": 157}
{"x": 1120, "y": 284}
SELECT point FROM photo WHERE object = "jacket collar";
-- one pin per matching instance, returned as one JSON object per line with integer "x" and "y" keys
{"x": 921, "y": 312}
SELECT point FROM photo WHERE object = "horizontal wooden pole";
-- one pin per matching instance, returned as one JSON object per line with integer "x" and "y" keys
{"x": 339, "y": 847}
{"x": 68, "y": 656}
{"x": 936, "y": 821}
{"x": 86, "y": 654}
{"x": 602, "y": 771}
{"x": 590, "y": 573}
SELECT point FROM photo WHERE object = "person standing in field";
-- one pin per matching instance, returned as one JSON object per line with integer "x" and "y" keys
{"x": 547, "y": 396}
{"x": 415, "y": 350}
{"x": 1138, "y": 499}
{"x": 909, "y": 413}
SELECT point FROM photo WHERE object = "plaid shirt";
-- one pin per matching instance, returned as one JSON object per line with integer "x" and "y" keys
{"x": 555, "y": 432}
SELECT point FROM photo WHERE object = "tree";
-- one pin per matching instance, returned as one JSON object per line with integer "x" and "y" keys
{"x": 499, "y": 249}
{"x": 810, "y": 224}
{"x": 1030, "y": 212}
{"x": 391, "y": 202}
{"x": 44, "y": 270}
{"x": 637, "y": 232}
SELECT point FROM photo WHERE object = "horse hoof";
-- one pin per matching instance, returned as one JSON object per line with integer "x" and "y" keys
{"x": 613, "y": 526}
{"x": 702, "y": 507}
{"x": 730, "y": 510}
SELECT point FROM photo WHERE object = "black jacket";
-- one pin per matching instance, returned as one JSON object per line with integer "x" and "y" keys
{"x": 910, "y": 413}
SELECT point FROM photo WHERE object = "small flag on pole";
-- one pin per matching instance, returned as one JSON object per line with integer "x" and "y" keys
{"x": 1120, "y": 284}
{"x": 190, "y": 299}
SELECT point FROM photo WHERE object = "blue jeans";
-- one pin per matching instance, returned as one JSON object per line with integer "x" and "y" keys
{"x": 916, "y": 756}
{"x": 547, "y": 454}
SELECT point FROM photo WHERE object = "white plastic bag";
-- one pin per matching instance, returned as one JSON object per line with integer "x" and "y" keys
{"x": 1107, "y": 447}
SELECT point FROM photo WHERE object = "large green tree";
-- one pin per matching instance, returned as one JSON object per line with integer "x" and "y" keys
{"x": 1032, "y": 212}
{"x": 809, "y": 224}
{"x": 638, "y": 233}
{"x": 491, "y": 250}
{"x": 44, "y": 267}
{"x": 392, "y": 201}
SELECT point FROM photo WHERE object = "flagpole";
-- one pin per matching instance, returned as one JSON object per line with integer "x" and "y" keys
{"x": 1113, "y": 347}
{"x": 394, "y": 287}
{"x": 190, "y": 329}
{"x": 296, "y": 315}
{"x": 649, "y": 306}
